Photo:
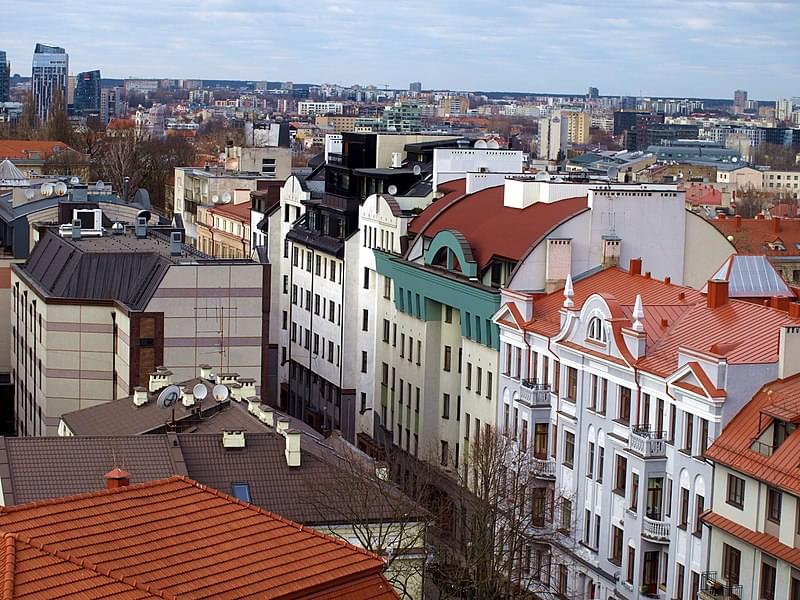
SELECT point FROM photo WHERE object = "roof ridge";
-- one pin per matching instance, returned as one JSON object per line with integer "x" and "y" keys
{"x": 10, "y": 544}
{"x": 90, "y": 566}
{"x": 277, "y": 517}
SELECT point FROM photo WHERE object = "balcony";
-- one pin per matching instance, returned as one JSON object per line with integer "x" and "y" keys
{"x": 335, "y": 158}
{"x": 544, "y": 467}
{"x": 534, "y": 393}
{"x": 713, "y": 588}
{"x": 646, "y": 443}
{"x": 655, "y": 530}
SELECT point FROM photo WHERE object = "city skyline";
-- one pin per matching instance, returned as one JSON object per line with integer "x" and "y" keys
{"x": 704, "y": 49}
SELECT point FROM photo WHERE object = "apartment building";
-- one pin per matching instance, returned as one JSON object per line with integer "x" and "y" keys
{"x": 553, "y": 136}
{"x": 783, "y": 182}
{"x": 95, "y": 311}
{"x": 578, "y": 123}
{"x": 338, "y": 123}
{"x": 618, "y": 384}
{"x": 755, "y": 515}
{"x": 319, "y": 108}
{"x": 223, "y": 230}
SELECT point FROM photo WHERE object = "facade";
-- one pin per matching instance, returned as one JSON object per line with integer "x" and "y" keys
{"x": 273, "y": 162}
{"x": 403, "y": 117}
{"x": 739, "y": 101}
{"x": 618, "y": 384}
{"x": 87, "y": 94}
{"x": 553, "y": 135}
{"x": 49, "y": 77}
{"x": 577, "y": 126}
{"x": 223, "y": 230}
{"x": 5, "y": 76}
{"x": 94, "y": 312}
{"x": 783, "y": 182}
{"x": 338, "y": 123}
{"x": 319, "y": 108}
{"x": 755, "y": 513}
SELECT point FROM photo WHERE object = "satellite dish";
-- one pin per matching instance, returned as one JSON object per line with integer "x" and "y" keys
{"x": 74, "y": 181}
{"x": 417, "y": 170}
{"x": 168, "y": 397}
{"x": 542, "y": 177}
{"x": 145, "y": 214}
{"x": 200, "y": 391}
{"x": 492, "y": 145}
{"x": 99, "y": 186}
{"x": 226, "y": 197}
{"x": 60, "y": 188}
{"x": 480, "y": 144}
{"x": 734, "y": 159}
{"x": 215, "y": 199}
{"x": 220, "y": 392}
{"x": 30, "y": 194}
{"x": 613, "y": 172}
{"x": 46, "y": 189}
{"x": 392, "y": 190}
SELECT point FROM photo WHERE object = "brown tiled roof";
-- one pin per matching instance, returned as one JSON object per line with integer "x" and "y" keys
{"x": 177, "y": 538}
{"x": 763, "y": 541}
{"x": 21, "y": 149}
{"x": 237, "y": 212}
{"x": 733, "y": 447}
{"x": 491, "y": 228}
{"x": 753, "y": 236}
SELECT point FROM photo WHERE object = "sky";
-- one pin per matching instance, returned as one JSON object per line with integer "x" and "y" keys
{"x": 682, "y": 48}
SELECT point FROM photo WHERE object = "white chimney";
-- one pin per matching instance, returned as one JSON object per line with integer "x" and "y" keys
{"x": 253, "y": 405}
{"x": 248, "y": 388}
{"x": 282, "y": 426}
{"x": 161, "y": 378}
{"x": 233, "y": 439}
{"x": 292, "y": 448}
{"x": 188, "y": 397}
{"x": 397, "y": 160}
{"x": 205, "y": 371}
{"x": 139, "y": 396}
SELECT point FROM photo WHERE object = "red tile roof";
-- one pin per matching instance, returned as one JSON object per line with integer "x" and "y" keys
{"x": 490, "y": 227}
{"x": 237, "y": 212}
{"x": 763, "y": 541}
{"x": 753, "y": 236}
{"x": 675, "y": 317}
{"x": 702, "y": 194}
{"x": 174, "y": 538}
{"x": 22, "y": 149}
{"x": 453, "y": 190}
{"x": 733, "y": 447}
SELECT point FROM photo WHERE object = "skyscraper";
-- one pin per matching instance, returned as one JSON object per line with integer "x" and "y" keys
{"x": 415, "y": 86}
{"x": 5, "y": 76}
{"x": 49, "y": 75}
{"x": 739, "y": 100}
{"x": 87, "y": 93}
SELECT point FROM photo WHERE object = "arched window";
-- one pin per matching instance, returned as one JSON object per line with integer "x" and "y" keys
{"x": 596, "y": 330}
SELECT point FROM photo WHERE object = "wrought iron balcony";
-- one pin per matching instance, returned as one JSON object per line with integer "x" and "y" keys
{"x": 646, "y": 443}
{"x": 544, "y": 467}
{"x": 534, "y": 393}
{"x": 656, "y": 530}
{"x": 714, "y": 588}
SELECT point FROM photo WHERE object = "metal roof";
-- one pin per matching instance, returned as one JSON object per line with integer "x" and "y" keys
{"x": 752, "y": 277}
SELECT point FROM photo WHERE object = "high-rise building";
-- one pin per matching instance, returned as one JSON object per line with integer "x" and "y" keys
{"x": 553, "y": 132}
{"x": 783, "y": 109}
{"x": 49, "y": 75}
{"x": 593, "y": 93}
{"x": 87, "y": 93}
{"x": 578, "y": 126}
{"x": 415, "y": 86}
{"x": 739, "y": 100}
{"x": 5, "y": 75}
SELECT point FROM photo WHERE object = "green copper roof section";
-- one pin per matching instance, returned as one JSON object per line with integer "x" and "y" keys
{"x": 419, "y": 290}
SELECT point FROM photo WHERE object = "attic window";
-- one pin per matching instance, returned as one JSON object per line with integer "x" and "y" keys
{"x": 241, "y": 491}
{"x": 596, "y": 331}
{"x": 776, "y": 245}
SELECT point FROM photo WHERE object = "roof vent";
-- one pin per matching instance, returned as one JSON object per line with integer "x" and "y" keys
{"x": 141, "y": 227}
{"x": 117, "y": 478}
{"x": 175, "y": 243}
{"x": 292, "y": 448}
{"x": 233, "y": 439}
{"x": 76, "y": 229}
{"x": 205, "y": 371}
{"x": 140, "y": 396}
{"x": 117, "y": 229}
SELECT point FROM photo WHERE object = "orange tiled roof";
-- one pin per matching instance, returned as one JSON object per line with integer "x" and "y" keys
{"x": 763, "y": 541}
{"x": 175, "y": 538}
{"x": 238, "y": 212}
{"x": 732, "y": 448}
{"x": 22, "y": 149}
{"x": 753, "y": 236}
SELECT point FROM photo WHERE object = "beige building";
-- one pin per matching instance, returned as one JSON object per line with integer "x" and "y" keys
{"x": 268, "y": 161}
{"x": 741, "y": 178}
{"x": 223, "y": 231}
{"x": 577, "y": 126}
{"x": 339, "y": 123}
{"x": 782, "y": 182}
{"x": 94, "y": 312}
{"x": 453, "y": 106}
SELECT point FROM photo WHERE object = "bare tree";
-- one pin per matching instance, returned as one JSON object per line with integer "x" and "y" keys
{"x": 121, "y": 158}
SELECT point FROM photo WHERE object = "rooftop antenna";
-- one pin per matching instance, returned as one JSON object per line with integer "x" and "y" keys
{"x": 167, "y": 399}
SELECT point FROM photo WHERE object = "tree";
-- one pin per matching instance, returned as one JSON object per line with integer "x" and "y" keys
{"x": 58, "y": 127}
{"x": 776, "y": 156}
{"x": 121, "y": 158}
{"x": 26, "y": 126}
{"x": 159, "y": 158}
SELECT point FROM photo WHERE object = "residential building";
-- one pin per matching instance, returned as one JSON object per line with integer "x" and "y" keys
{"x": 415, "y": 87}
{"x": 112, "y": 105}
{"x": 170, "y": 522}
{"x": 5, "y": 76}
{"x": 45, "y": 157}
{"x": 403, "y": 117}
{"x": 319, "y": 108}
{"x": 782, "y": 182}
{"x": 553, "y": 135}
{"x": 48, "y": 78}
{"x": 274, "y": 162}
{"x": 338, "y": 123}
{"x": 618, "y": 384}
{"x": 739, "y": 101}
{"x": 783, "y": 109}
{"x": 740, "y": 177}
{"x": 223, "y": 230}
{"x": 87, "y": 94}
{"x": 578, "y": 123}
{"x": 453, "y": 106}
{"x": 755, "y": 514}
{"x": 140, "y": 86}
{"x": 94, "y": 311}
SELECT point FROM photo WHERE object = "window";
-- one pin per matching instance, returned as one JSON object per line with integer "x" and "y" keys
{"x": 556, "y": 377}
{"x": 387, "y": 288}
{"x": 703, "y": 436}
{"x": 419, "y": 352}
{"x": 540, "y": 431}
{"x": 688, "y": 434}
{"x": 679, "y": 581}
{"x": 469, "y": 376}
{"x": 366, "y": 278}
{"x": 624, "y": 412}
{"x": 593, "y": 394}
{"x": 671, "y": 431}
{"x": 386, "y": 331}
{"x": 659, "y": 415}
{"x": 562, "y": 580}
{"x": 601, "y": 404}
{"x": 446, "y": 406}
{"x": 402, "y": 345}
{"x": 478, "y": 379}
{"x": 634, "y": 504}
{"x": 241, "y": 491}
{"x": 631, "y": 564}
{"x": 768, "y": 574}
{"x": 644, "y": 416}
{"x": 590, "y": 461}
{"x": 616, "y": 545}
{"x": 620, "y": 474}
{"x": 572, "y": 384}
{"x": 489, "y": 385}
{"x": 445, "y": 453}
{"x": 365, "y": 320}
{"x": 774, "y": 498}
{"x": 731, "y": 564}
{"x": 668, "y": 498}
{"x": 363, "y": 361}
{"x": 600, "y": 460}
{"x": 448, "y": 352}
{"x": 448, "y": 314}
{"x": 596, "y": 331}
{"x": 569, "y": 449}
{"x": 566, "y": 515}
{"x": 284, "y": 320}
{"x": 699, "y": 507}
{"x": 683, "y": 517}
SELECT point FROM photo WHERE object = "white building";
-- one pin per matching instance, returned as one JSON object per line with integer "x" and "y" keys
{"x": 553, "y": 134}
{"x": 319, "y": 108}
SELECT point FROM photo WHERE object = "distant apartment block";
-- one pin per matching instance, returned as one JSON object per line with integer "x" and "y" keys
{"x": 319, "y": 108}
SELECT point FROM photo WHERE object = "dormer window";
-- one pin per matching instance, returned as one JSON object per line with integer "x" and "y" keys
{"x": 596, "y": 331}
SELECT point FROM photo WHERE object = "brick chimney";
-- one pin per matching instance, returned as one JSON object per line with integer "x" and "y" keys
{"x": 717, "y": 293}
{"x": 635, "y": 267}
{"x": 776, "y": 224}
{"x": 117, "y": 478}
{"x": 738, "y": 222}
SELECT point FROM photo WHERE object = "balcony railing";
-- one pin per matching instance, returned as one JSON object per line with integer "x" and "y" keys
{"x": 534, "y": 393}
{"x": 649, "y": 444}
{"x": 335, "y": 158}
{"x": 544, "y": 467}
{"x": 713, "y": 588}
{"x": 655, "y": 529}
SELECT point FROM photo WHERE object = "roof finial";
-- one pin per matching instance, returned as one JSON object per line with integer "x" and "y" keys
{"x": 638, "y": 314}
{"x": 568, "y": 292}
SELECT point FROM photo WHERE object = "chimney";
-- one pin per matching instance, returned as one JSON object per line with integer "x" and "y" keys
{"x": 382, "y": 470}
{"x": 188, "y": 397}
{"x": 117, "y": 478}
{"x": 205, "y": 371}
{"x": 738, "y": 222}
{"x": 233, "y": 439}
{"x": 283, "y": 426}
{"x": 160, "y": 378}
{"x": 789, "y": 351}
{"x": 635, "y": 267}
{"x": 175, "y": 243}
{"x": 611, "y": 250}
{"x": 253, "y": 404}
{"x": 794, "y": 310}
{"x": 776, "y": 224}
{"x": 139, "y": 396}
{"x": 667, "y": 280}
{"x": 76, "y": 229}
{"x": 717, "y": 293}
{"x": 292, "y": 447}
{"x": 141, "y": 227}
{"x": 247, "y": 388}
